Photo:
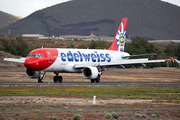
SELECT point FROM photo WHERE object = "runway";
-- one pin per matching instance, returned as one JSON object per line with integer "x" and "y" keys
{"x": 84, "y": 83}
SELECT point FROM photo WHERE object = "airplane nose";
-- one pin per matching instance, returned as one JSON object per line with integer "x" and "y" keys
{"x": 31, "y": 63}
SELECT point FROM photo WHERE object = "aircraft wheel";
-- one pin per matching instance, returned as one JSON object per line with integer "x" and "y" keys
{"x": 97, "y": 80}
{"x": 92, "y": 80}
{"x": 40, "y": 80}
{"x": 60, "y": 79}
{"x": 55, "y": 79}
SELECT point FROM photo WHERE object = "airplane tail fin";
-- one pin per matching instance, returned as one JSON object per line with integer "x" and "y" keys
{"x": 120, "y": 37}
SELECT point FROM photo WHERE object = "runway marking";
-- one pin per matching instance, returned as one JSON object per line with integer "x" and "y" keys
{"x": 84, "y": 83}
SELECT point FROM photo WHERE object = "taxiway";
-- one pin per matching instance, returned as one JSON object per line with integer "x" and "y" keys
{"x": 84, "y": 83}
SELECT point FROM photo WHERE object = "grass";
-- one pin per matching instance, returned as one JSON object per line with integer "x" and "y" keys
{"x": 114, "y": 92}
{"x": 170, "y": 101}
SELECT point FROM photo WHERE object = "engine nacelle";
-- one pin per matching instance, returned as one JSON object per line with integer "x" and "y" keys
{"x": 32, "y": 74}
{"x": 90, "y": 72}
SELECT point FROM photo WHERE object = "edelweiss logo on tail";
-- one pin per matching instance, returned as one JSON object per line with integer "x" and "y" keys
{"x": 120, "y": 37}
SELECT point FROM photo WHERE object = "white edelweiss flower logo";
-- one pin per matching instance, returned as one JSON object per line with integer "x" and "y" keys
{"x": 120, "y": 37}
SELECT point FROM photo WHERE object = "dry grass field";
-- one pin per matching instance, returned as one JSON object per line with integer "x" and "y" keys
{"x": 156, "y": 74}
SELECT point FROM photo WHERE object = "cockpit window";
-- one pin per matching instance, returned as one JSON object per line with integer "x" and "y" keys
{"x": 38, "y": 55}
{"x": 35, "y": 55}
{"x": 41, "y": 55}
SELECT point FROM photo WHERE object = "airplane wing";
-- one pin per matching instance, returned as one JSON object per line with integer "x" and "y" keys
{"x": 177, "y": 61}
{"x": 121, "y": 62}
{"x": 20, "y": 60}
{"x": 139, "y": 55}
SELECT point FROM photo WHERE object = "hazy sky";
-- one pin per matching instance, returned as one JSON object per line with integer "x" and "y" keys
{"x": 25, "y": 7}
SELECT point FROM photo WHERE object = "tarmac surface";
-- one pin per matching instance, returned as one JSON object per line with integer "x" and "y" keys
{"x": 84, "y": 83}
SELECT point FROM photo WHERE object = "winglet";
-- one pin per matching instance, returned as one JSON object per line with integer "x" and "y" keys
{"x": 6, "y": 57}
{"x": 173, "y": 59}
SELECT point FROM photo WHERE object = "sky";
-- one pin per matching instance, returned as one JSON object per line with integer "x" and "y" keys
{"x": 24, "y": 8}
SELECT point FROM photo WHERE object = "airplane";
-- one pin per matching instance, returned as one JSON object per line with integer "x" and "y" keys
{"x": 90, "y": 62}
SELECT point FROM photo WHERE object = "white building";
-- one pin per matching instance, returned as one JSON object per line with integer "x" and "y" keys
{"x": 32, "y": 35}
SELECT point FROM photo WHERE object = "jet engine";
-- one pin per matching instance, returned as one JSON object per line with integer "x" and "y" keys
{"x": 32, "y": 74}
{"x": 91, "y": 72}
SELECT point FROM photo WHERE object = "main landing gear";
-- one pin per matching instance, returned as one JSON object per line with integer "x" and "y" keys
{"x": 97, "y": 80}
{"x": 57, "y": 78}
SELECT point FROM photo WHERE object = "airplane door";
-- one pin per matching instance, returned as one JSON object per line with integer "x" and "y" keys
{"x": 49, "y": 57}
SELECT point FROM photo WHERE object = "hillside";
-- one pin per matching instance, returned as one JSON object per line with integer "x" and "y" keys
{"x": 6, "y": 19}
{"x": 151, "y": 19}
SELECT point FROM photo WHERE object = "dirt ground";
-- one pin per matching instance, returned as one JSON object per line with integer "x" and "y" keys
{"x": 47, "y": 102}
{"x": 15, "y": 100}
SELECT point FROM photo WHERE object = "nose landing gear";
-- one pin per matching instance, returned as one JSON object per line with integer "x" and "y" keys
{"x": 40, "y": 79}
{"x": 56, "y": 79}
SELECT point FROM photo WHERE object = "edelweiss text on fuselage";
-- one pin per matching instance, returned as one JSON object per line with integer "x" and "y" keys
{"x": 80, "y": 57}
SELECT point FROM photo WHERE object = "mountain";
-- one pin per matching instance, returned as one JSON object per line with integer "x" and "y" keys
{"x": 151, "y": 19}
{"x": 6, "y": 19}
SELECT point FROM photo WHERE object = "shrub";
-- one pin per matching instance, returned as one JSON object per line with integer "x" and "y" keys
{"x": 77, "y": 117}
{"x": 53, "y": 118}
{"x": 37, "y": 111}
{"x": 153, "y": 115}
{"x": 108, "y": 116}
{"x": 115, "y": 115}
{"x": 157, "y": 115}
